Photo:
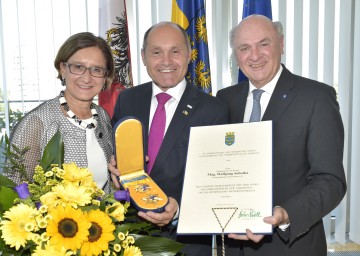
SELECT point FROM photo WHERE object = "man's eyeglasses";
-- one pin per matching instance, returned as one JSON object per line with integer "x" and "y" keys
{"x": 78, "y": 69}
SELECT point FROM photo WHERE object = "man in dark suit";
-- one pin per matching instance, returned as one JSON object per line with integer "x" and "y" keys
{"x": 166, "y": 55}
{"x": 308, "y": 175}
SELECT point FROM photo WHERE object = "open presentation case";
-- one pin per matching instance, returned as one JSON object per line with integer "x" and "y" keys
{"x": 146, "y": 195}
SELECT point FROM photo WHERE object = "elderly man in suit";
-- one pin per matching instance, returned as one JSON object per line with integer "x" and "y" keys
{"x": 166, "y": 55}
{"x": 308, "y": 175}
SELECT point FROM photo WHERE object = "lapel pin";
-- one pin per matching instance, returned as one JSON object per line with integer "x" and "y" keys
{"x": 185, "y": 112}
{"x": 189, "y": 106}
{"x": 284, "y": 97}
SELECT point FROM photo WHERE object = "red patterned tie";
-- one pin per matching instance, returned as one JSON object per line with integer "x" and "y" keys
{"x": 157, "y": 129}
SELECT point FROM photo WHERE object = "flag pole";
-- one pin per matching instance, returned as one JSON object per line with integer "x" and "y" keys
{"x": 214, "y": 246}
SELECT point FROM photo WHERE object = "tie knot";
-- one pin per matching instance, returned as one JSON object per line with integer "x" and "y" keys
{"x": 257, "y": 94}
{"x": 162, "y": 98}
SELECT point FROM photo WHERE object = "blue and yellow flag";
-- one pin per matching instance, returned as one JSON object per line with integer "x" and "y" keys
{"x": 190, "y": 14}
{"x": 250, "y": 7}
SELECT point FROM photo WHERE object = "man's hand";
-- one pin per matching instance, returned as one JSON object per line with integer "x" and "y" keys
{"x": 248, "y": 236}
{"x": 114, "y": 172}
{"x": 279, "y": 217}
{"x": 164, "y": 218}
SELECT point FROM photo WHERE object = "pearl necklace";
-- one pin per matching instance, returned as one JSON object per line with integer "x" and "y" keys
{"x": 71, "y": 114}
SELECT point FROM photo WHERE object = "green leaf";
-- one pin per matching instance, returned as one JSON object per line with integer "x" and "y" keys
{"x": 7, "y": 197}
{"x": 89, "y": 208}
{"x": 15, "y": 159}
{"x": 157, "y": 246}
{"x": 53, "y": 152}
{"x": 6, "y": 182}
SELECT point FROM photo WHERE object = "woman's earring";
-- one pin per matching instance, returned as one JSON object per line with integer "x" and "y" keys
{"x": 63, "y": 83}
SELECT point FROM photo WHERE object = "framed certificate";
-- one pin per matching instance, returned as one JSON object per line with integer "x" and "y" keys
{"x": 228, "y": 180}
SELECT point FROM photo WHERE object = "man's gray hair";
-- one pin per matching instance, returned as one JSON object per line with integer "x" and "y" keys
{"x": 279, "y": 28}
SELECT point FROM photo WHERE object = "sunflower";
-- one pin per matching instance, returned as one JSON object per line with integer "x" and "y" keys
{"x": 132, "y": 251}
{"x": 101, "y": 233}
{"x": 14, "y": 230}
{"x": 68, "y": 227}
{"x": 64, "y": 194}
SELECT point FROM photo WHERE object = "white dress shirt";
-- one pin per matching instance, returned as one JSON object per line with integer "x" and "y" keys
{"x": 265, "y": 97}
{"x": 170, "y": 106}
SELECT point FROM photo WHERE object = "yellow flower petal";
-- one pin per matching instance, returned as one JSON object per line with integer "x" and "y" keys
{"x": 48, "y": 250}
{"x": 15, "y": 225}
{"x": 132, "y": 251}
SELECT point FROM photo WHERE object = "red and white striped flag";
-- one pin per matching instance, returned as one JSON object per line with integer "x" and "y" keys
{"x": 114, "y": 28}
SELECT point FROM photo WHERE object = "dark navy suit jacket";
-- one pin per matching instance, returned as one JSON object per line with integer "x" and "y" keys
{"x": 308, "y": 173}
{"x": 194, "y": 109}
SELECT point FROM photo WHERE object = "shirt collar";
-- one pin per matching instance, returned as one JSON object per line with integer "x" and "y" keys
{"x": 176, "y": 92}
{"x": 269, "y": 87}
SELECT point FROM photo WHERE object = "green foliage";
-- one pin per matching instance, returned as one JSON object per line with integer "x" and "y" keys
{"x": 6, "y": 182}
{"x": 15, "y": 158}
{"x": 7, "y": 197}
{"x": 158, "y": 246}
{"x": 53, "y": 152}
{"x": 39, "y": 186}
{"x": 14, "y": 117}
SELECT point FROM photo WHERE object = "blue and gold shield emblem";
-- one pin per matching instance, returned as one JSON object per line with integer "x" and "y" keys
{"x": 230, "y": 138}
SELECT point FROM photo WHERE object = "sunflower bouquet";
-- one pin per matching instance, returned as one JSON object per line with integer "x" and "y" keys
{"x": 63, "y": 212}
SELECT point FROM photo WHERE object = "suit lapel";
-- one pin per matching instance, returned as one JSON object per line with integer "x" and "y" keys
{"x": 239, "y": 104}
{"x": 183, "y": 113}
{"x": 145, "y": 98}
{"x": 143, "y": 110}
{"x": 281, "y": 97}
